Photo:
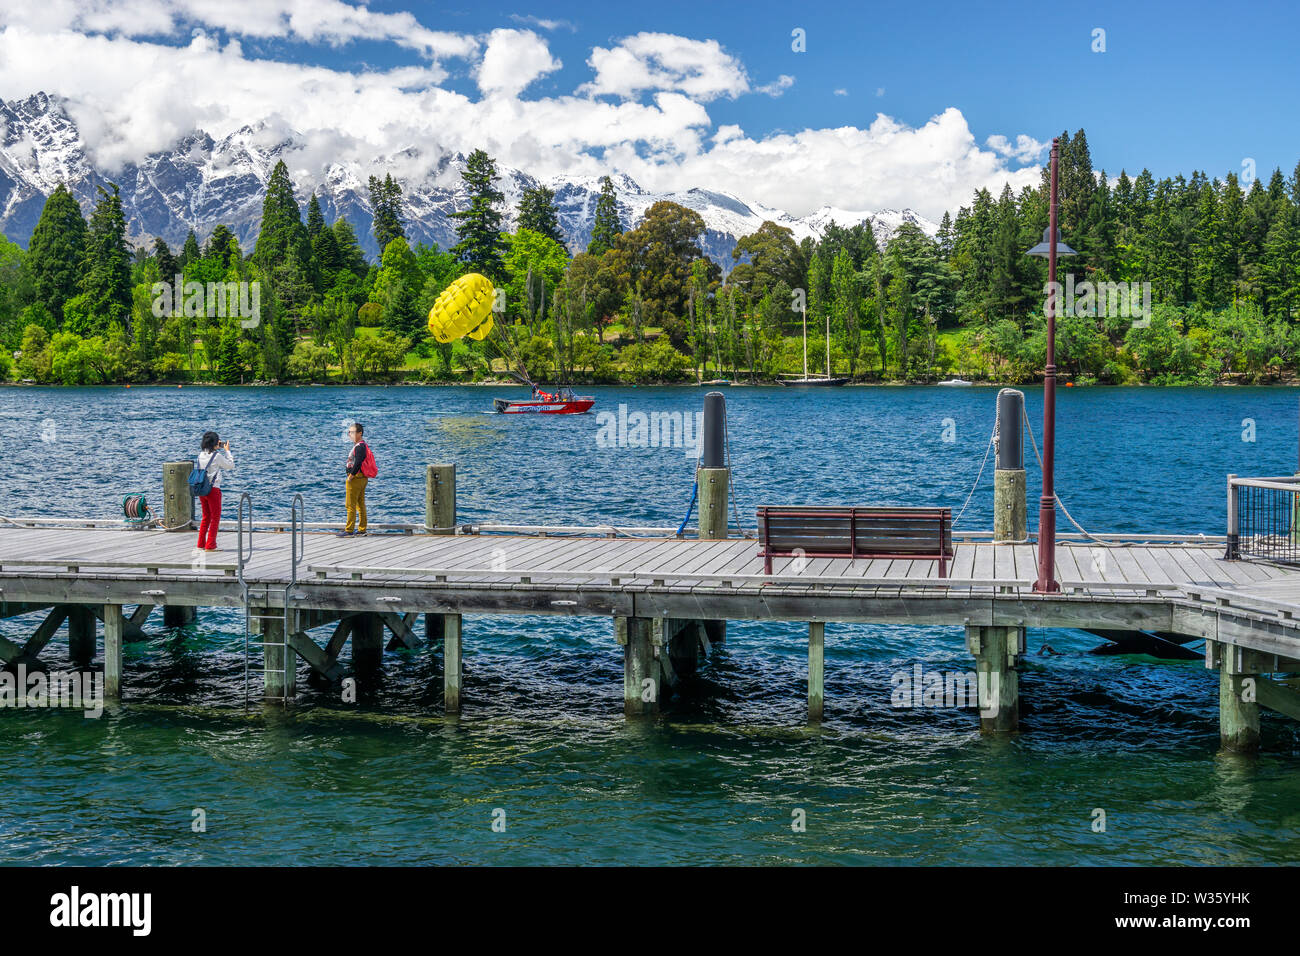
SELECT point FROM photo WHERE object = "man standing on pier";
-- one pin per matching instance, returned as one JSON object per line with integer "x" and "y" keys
{"x": 360, "y": 469}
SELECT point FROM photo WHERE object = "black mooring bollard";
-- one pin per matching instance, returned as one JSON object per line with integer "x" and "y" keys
{"x": 1009, "y": 507}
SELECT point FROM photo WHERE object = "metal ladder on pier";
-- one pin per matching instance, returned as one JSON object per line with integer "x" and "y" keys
{"x": 257, "y": 606}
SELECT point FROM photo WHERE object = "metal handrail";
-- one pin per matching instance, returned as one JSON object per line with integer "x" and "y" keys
{"x": 1281, "y": 483}
{"x": 297, "y": 536}
{"x": 245, "y": 505}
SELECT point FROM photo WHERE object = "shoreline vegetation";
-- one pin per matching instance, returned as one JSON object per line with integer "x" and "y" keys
{"x": 1214, "y": 264}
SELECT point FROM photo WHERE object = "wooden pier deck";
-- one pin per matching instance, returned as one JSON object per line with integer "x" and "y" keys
{"x": 1248, "y": 613}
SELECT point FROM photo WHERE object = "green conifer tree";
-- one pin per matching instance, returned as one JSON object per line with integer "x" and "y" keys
{"x": 537, "y": 212}
{"x": 56, "y": 254}
{"x": 607, "y": 226}
{"x": 479, "y": 226}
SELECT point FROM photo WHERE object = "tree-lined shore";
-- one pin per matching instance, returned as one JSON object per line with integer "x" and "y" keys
{"x": 1218, "y": 259}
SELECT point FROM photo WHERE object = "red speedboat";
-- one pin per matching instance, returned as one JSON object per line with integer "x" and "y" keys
{"x": 561, "y": 402}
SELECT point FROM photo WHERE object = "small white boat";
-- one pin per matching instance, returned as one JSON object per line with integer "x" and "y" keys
{"x": 956, "y": 381}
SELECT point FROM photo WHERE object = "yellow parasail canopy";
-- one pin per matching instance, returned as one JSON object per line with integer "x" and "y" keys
{"x": 463, "y": 308}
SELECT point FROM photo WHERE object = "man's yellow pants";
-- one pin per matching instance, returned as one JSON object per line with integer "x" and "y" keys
{"x": 356, "y": 502}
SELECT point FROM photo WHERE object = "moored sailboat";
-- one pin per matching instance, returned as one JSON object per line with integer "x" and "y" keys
{"x": 827, "y": 380}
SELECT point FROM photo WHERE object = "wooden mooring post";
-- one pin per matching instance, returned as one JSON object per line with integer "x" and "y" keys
{"x": 440, "y": 499}
{"x": 178, "y": 503}
{"x": 1010, "y": 523}
{"x": 713, "y": 488}
{"x": 440, "y": 518}
{"x": 713, "y": 477}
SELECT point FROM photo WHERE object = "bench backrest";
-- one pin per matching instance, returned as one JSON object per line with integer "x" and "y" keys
{"x": 839, "y": 530}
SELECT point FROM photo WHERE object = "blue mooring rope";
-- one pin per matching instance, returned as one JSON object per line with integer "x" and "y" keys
{"x": 695, "y": 490}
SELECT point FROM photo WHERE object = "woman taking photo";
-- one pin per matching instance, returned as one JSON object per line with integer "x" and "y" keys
{"x": 214, "y": 458}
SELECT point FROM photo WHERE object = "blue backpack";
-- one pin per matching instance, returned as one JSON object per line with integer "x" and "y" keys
{"x": 201, "y": 480}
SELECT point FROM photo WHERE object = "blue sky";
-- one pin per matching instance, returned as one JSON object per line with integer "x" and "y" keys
{"x": 1180, "y": 85}
{"x": 679, "y": 94}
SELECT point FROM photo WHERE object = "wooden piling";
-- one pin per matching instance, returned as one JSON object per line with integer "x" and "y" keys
{"x": 114, "y": 628}
{"x": 682, "y": 639}
{"x": 816, "y": 642}
{"x": 278, "y": 677}
{"x": 178, "y": 505}
{"x": 367, "y": 642}
{"x": 179, "y": 615}
{"x": 1238, "y": 699}
{"x": 997, "y": 651}
{"x": 440, "y": 499}
{"x": 81, "y": 635}
{"x": 641, "y": 669}
{"x": 715, "y": 631}
{"x": 452, "y": 674}
{"x": 712, "y": 484}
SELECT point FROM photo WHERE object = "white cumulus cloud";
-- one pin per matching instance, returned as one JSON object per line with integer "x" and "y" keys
{"x": 513, "y": 60}
{"x": 1026, "y": 149}
{"x": 663, "y": 61}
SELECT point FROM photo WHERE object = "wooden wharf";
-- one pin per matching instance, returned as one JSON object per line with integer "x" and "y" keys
{"x": 669, "y": 594}
{"x": 667, "y": 597}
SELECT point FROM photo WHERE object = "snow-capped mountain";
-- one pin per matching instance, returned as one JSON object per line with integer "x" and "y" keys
{"x": 200, "y": 182}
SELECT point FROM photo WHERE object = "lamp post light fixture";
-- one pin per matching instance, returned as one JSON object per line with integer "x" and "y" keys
{"x": 1049, "y": 248}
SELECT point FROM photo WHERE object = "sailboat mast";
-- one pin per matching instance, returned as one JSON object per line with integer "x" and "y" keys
{"x": 828, "y": 344}
{"x": 805, "y": 341}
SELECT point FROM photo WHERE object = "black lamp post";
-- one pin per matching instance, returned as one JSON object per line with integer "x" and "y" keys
{"x": 1049, "y": 248}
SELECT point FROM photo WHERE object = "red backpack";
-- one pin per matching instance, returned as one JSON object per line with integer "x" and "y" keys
{"x": 368, "y": 467}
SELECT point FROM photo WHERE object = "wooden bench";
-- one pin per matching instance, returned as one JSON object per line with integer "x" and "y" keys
{"x": 855, "y": 532}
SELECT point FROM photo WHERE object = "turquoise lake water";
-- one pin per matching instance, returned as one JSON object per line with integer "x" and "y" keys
{"x": 718, "y": 777}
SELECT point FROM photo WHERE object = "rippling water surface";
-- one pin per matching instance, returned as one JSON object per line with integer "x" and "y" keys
{"x": 718, "y": 776}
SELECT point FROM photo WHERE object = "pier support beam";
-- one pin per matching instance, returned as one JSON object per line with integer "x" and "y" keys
{"x": 434, "y": 627}
{"x": 683, "y": 639}
{"x": 997, "y": 651}
{"x": 440, "y": 499}
{"x": 179, "y": 615}
{"x": 452, "y": 673}
{"x": 81, "y": 635}
{"x": 1238, "y": 696}
{"x": 1238, "y": 712}
{"x": 641, "y": 668}
{"x": 178, "y": 504}
{"x": 402, "y": 627}
{"x": 135, "y": 623}
{"x": 816, "y": 695}
{"x": 716, "y": 631}
{"x": 36, "y": 643}
{"x": 114, "y": 635}
{"x": 367, "y": 642}
{"x": 279, "y": 662}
